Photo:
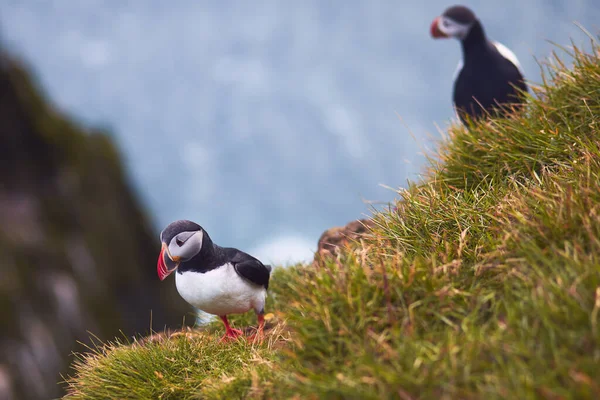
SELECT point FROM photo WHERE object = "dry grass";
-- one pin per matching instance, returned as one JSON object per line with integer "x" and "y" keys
{"x": 484, "y": 282}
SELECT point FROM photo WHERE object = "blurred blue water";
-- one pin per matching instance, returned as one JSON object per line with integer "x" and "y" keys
{"x": 266, "y": 121}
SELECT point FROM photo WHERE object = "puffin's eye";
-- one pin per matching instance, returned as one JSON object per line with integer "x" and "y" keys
{"x": 179, "y": 242}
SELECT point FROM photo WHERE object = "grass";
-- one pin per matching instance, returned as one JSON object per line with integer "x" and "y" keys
{"x": 482, "y": 282}
{"x": 185, "y": 365}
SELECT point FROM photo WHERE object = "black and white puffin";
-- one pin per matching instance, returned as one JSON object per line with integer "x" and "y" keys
{"x": 488, "y": 75}
{"x": 217, "y": 280}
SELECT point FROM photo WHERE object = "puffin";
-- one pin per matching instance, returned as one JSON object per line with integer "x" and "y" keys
{"x": 217, "y": 280}
{"x": 489, "y": 74}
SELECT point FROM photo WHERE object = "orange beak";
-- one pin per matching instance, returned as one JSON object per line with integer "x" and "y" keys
{"x": 435, "y": 29}
{"x": 165, "y": 265}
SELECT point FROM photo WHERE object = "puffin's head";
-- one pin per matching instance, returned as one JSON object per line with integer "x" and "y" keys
{"x": 455, "y": 22}
{"x": 181, "y": 241}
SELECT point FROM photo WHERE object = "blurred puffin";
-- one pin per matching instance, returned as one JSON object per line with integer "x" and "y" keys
{"x": 214, "y": 279}
{"x": 488, "y": 75}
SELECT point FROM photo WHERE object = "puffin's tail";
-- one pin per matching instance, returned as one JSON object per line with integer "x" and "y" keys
{"x": 268, "y": 267}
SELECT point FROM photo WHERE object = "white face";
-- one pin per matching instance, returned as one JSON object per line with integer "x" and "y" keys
{"x": 185, "y": 245}
{"x": 453, "y": 29}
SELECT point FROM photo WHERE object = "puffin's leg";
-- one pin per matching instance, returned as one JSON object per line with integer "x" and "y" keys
{"x": 230, "y": 333}
{"x": 260, "y": 334}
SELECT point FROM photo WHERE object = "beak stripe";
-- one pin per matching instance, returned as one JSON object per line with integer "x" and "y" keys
{"x": 165, "y": 265}
{"x": 435, "y": 29}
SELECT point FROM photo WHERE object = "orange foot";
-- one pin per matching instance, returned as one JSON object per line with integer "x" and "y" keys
{"x": 230, "y": 333}
{"x": 259, "y": 336}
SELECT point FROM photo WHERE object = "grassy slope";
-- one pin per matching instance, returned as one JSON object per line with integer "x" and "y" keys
{"x": 485, "y": 283}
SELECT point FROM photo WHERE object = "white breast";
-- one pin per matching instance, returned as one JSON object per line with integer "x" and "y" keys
{"x": 220, "y": 291}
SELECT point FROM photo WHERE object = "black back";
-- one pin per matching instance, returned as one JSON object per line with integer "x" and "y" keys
{"x": 212, "y": 256}
{"x": 487, "y": 79}
{"x": 249, "y": 267}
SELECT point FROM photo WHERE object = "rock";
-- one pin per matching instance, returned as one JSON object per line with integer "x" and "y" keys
{"x": 332, "y": 239}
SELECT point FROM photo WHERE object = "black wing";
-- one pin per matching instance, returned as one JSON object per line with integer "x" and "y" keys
{"x": 249, "y": 267}
{"x": 486, "y": 80}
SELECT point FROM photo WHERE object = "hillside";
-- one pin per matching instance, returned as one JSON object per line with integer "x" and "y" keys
{"x": 482, "y": 282}
{"x": 75, "y": 244}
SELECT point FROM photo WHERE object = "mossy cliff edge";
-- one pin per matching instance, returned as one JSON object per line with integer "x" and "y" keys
{"x": 76, "y": 249}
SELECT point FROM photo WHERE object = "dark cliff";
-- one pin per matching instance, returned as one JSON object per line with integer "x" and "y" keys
{"x": 77, "y": 253}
